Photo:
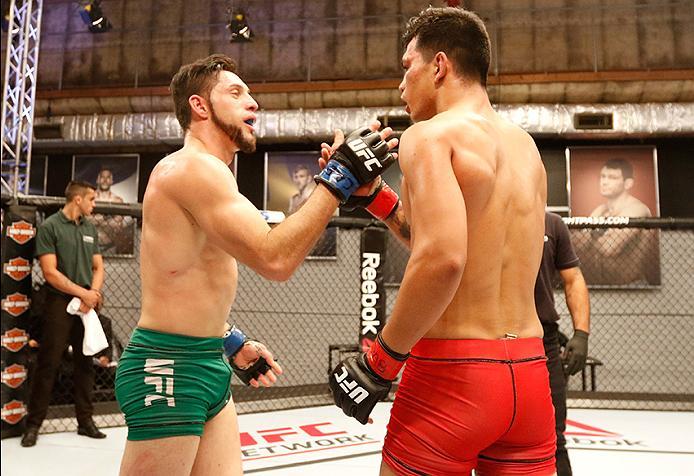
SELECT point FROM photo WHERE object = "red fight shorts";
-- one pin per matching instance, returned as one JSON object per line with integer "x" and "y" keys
{"x": 473, "y": 404}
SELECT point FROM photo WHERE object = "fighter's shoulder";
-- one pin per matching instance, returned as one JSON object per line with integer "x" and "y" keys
{"x": 445, "y": 123}
{"x": 636, "y": 208}
{"x": 189, "y": 165}
{"x": 439, "y": 129}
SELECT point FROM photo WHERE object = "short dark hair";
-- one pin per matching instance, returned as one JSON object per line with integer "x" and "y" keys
{"x": 199, "y": 78}
{"x": 302, "y": 167}
{"x": 459, "y": 33}
{"x": 77, "y": 188}
{"x": 623, "y": 165}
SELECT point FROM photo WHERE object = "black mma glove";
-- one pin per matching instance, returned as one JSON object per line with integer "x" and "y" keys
{"x": 575, "y": 354}
{"x": 234, "y": 340}
{"x": 358, "y": 383}
{"x": 359, "y": 160}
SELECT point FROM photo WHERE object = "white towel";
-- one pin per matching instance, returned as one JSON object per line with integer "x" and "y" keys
{"x": 94, "y": 337}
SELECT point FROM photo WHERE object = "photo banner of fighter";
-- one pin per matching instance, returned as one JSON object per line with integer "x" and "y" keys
{"x": 116, "y": 180}
{"x": 609, "y": 182}
{"x": 373, "y": 295}
{"x": 19, "y": 230}
{"x": 288, "y": 184}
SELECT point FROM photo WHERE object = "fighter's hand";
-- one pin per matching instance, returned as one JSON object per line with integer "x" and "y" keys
{"x": 354, "y": 167}
{"x": 327, "y": 150}
{"x": 358, "y": 383}
{"x": 255, "y": 365}
{"x": 575, "y": 353}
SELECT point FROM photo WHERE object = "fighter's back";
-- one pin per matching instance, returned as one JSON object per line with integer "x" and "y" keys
{"x": 503, "y": 183}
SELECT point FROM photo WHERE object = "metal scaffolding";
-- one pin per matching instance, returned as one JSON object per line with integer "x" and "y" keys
{"x": 19, "y": 90}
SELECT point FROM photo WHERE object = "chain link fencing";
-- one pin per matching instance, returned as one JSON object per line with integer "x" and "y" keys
{"x": 640, "y": 344}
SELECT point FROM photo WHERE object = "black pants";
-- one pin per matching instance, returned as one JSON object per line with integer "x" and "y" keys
{"x": 60, "y": 329}
{"x": 557, "y": 383}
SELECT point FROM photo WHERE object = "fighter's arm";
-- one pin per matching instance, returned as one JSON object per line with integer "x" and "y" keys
{"x": 395, "y": 219}
{"x": 397, "y": 224}
{"x": 439, "y": 236}
{"x": 208, "y": 192}
{"x": 611, "y": 242}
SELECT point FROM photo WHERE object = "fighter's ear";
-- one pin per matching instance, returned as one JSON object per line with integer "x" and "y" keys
{"x": 199, "y": 106}
{"x": 442, "y": 65}
{"x": 628, "y": 183}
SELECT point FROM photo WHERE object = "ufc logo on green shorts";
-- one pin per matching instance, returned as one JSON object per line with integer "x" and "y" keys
{"x": 163, "y": 386}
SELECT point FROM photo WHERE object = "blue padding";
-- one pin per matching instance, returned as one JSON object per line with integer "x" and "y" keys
{"x": 339, "y": 178}
{"x": 233, "y": 341}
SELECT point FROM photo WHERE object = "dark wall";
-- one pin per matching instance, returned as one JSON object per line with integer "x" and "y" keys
{"x": 675, "y": 170}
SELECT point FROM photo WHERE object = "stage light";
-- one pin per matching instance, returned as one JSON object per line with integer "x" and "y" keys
{"x": 94, "y": 18}
{"x": 238, "y": 27}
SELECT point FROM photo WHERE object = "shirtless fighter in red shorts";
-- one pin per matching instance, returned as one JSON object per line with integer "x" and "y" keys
{"x": 475, "y": 391}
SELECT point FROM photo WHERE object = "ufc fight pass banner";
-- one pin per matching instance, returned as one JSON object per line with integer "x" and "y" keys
{"x": 373, "y": 298}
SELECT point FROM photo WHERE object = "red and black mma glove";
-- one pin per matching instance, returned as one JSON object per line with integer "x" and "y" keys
{"x": 380, "y": 204}
{"x": 358, "y": 383}
{"x": 234, "y": 340}
{"x": 359, "y": 160}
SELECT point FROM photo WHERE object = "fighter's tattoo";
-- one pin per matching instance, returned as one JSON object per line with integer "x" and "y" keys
{"x": 400, "y": 222}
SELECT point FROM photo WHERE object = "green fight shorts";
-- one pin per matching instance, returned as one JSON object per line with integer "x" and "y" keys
{"x": 171, "y": 384}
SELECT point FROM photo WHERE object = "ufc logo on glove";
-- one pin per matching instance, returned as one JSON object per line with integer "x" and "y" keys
{"x": 357, "y": 394}
{"x": 361, "y": 149}
{"x": 359, "y": 160}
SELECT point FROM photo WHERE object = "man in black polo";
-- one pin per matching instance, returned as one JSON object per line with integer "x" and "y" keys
{"x": 559, "y": 256}
{"x": 68, "y": 251}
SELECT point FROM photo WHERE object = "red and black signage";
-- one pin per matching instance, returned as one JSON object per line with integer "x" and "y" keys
{"x": 17, "y": 268}
{"x": 14, "y": 375}
{"x": 13, "y": 412}
{"x": 15, "y": 339}
{"x": 20, "y": 232}
{"x": 16, "y": 304}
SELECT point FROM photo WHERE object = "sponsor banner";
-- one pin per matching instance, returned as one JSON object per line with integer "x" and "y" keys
{"x": 619, "y": 220}
{"x": 373, "y": 298}
{"x": 17, "y": 268}
{"x": 14, "y": 339}
{"x": 20, "y": 232}
{"x": 308, "y": 435}
{"x": 13, "y": 412}
{"x": 641, "y": 431}
{"x": 16, "y": 304}
{"x": 14, "y": 375}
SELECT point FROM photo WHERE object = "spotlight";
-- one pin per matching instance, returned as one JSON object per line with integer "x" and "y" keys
{"x": 94, "y": 18}
{"x": 238, "y": 27}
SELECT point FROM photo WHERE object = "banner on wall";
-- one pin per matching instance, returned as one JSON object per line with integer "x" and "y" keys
{"x": 373, "y": 296}
{"x": 607, "y": 182}
{"x": 18, "y": 232}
